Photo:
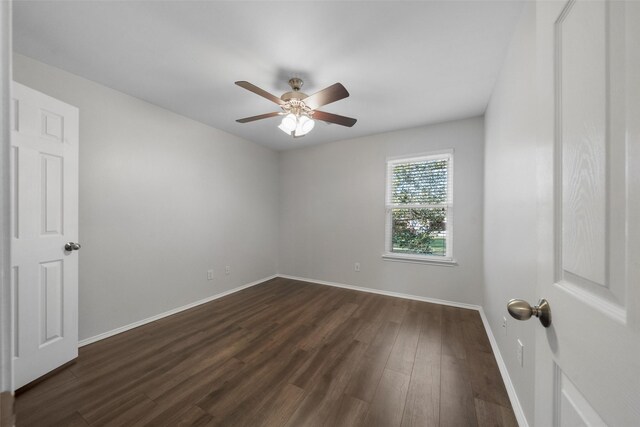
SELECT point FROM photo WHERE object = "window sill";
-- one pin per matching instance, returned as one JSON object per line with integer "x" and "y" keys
{"x": 445, "y": 262}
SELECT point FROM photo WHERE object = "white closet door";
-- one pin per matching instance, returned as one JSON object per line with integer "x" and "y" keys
{"x": 44, "y": 174}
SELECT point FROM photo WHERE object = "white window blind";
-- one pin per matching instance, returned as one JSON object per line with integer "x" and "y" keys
{"x": 419, "y": 207}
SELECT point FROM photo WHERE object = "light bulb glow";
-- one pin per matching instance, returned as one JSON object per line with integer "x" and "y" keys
{"x": 289, "y": 123}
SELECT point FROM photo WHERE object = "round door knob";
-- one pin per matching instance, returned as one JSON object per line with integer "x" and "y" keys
{"x": 72, "y": 246}
{"x": 522, "y": 310}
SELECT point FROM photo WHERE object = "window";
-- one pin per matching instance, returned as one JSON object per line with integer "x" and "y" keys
{"x": 419, "y": 204}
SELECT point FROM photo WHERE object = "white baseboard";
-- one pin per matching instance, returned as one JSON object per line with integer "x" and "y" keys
{"x": 387, "y": 293}
{"x": 513, "y": 397}
{"x": 511, "y": 390}
{"x": 133, "y": 325}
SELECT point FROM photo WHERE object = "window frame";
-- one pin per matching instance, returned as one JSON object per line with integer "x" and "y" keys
{"x": 447, "y": 259}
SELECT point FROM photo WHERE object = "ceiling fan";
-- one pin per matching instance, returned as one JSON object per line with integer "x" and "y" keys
{"x": 299, "y": 109}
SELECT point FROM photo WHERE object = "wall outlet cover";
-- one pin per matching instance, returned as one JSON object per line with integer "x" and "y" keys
{"x": 520, "y": 353}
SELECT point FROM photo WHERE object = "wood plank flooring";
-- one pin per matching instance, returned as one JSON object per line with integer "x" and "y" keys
{"x": 284, "y": 353}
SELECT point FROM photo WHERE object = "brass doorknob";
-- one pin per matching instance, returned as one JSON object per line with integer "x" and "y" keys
{"x": 521, "y": 310}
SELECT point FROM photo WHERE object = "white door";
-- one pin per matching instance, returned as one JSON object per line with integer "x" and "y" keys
{"x": 588, "y": 361}
{"x": 44, "y": 174}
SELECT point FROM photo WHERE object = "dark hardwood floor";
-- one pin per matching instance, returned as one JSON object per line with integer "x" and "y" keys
{"x": 284, "y": 353}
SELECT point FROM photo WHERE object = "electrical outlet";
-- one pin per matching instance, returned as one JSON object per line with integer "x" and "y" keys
{"x": 227, "y": 270}
{"x": 356, "y": 266}
{"x": 209, "y": 274}
{"x": 504, "y": 326}
{"x": 520, "y": 353}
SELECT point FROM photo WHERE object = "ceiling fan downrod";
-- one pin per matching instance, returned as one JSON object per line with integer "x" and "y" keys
{"x": 296, "y": 83}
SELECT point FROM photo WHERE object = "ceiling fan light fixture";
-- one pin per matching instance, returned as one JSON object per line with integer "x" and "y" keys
{"x": 300, "y": 110}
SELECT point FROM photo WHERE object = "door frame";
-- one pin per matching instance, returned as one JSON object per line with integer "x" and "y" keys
{"x": 546, "y": 205}
{"x": 6, "y": 315}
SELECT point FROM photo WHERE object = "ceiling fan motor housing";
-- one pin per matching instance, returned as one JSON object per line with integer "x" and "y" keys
{"x": 295, "y": 84}
{"x": 293, "y": 95}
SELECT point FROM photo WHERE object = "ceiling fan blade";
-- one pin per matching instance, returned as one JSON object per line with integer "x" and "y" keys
{"x": 263, "y": 93}
{"x": 333, "y": 93}
{"x": 260, "y": 117}
{"x": 333, "y": 118}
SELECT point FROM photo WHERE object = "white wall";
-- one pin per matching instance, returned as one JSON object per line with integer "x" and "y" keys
{"x": 162, "y": 200}
{"x": 510, "y": 214}
{"x": 332, "y": 199}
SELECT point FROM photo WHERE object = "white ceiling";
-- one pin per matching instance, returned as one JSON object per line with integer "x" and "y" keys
{"x": 404, "y": 63}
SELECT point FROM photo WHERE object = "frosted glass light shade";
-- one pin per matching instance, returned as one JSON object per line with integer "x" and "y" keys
{"x": 305, "y": 125}
{"x": 299, "y": 126}
{"x": 283, "y": 129}
{"x": 289, "y": 123}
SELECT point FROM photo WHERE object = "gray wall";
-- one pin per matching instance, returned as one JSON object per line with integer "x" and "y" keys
{"x": 510, "y": 215}
{"x": 332, "y": 199}
{"x": 162, "y": 200}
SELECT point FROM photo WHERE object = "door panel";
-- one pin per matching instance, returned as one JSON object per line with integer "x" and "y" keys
{"x": 590, "y": 154}
{"x": 572, "y": 407}
{"x": 582, "y": 100}
{"x": 588, "y": 361}
{"x": 52, "y": 206}
{"x": 44, "y": 171}
{"x": 51, "y": 302}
